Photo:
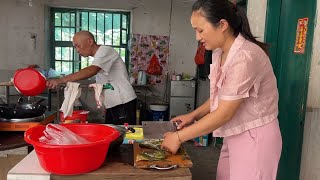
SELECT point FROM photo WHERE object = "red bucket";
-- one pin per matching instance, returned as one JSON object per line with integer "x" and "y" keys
{"x": 76, "y": 116}
{"x": 29, "y": 81}
{"x": 73, "y": 159}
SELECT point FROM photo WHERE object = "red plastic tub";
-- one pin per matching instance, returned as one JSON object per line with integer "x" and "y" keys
{"x": 80, "y": 115}
{"x": 73, "y": 159}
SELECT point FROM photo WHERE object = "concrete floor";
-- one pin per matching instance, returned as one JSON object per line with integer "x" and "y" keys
{"x": 205, "y": 161}
{"x": 7, "y": 163}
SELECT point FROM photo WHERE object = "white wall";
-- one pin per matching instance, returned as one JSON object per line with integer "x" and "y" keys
{"x": 314, "y": 81}
{"x": 256, "y": 11}
{"x": 183, "y": 42}
{"x": 310, "y": 162}
{"x": 18, "y": 23}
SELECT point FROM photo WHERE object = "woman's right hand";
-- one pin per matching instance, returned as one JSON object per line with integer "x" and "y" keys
{"x": 183, "y": 120}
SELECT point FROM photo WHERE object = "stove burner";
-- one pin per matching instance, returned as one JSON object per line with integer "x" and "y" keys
{"x": 33, "y": 119}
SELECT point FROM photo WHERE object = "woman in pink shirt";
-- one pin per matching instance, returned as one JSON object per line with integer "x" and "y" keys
{"x": 243, "y": 103}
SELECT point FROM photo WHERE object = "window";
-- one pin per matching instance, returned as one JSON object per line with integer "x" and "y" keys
{"x": 108, "y": 27}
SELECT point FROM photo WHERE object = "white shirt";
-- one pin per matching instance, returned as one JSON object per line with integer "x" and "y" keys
{"x": 113, "y": 71}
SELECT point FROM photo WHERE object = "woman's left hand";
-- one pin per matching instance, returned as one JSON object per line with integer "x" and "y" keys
{"x": 171, "y": 142}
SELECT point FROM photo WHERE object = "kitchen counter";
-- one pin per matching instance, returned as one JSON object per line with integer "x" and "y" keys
{"x": 15, "y": 139}
{"x": 118, "y": 165}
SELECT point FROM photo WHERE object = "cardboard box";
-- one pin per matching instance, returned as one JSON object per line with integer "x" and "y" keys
{"x": 201, "y": 141}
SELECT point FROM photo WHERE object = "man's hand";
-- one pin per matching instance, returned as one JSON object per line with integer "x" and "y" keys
{"x": 52, "y": 84}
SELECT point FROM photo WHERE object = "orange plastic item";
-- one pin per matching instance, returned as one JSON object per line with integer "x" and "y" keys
{"x": 73, "y": 159}
{"x": 29, "y": 81}
{"x": 199, "y": 58}
{"x": 81, "y": 115}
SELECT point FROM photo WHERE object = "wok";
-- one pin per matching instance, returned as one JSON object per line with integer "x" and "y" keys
{"x": 22, "y": 110}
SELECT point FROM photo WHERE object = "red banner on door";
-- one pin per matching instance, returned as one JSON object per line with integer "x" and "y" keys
{"x": 301, "y": 36}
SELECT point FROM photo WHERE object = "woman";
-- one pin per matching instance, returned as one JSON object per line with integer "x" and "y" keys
{"x": 243, "y": 103}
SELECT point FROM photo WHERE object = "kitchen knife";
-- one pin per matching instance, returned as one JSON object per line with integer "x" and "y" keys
{"x": 156, "y": 129}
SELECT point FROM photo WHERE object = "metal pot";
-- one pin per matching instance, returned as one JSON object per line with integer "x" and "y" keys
{"x": 22, "y": 110}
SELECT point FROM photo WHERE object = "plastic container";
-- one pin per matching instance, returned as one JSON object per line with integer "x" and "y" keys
{"x": 158, "y": 112}
{"x": 79, "y": 116}
{"x": 137, "y": 135}
{"x": 29, "y": 81}
{"x": 73, "y": 159}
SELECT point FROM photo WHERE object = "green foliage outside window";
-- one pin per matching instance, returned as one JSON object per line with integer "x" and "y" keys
{"x": 108, "y": 27}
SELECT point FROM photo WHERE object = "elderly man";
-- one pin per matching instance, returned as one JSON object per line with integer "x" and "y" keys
{"x": 110, "y": 70}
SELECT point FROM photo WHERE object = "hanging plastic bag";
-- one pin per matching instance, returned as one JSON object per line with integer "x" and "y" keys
{"x": 199, "y": 58}
{"x": 154, "y": 67}
{"x": 55, "y": 134}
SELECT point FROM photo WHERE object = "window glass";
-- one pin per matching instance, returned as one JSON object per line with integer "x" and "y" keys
{"x": 66, "y": 19}
{"x": 57, "y": 19}
{"x": 108, "y": 27}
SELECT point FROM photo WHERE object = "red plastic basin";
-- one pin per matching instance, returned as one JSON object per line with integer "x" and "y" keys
{"x": 81, "y": 115}
{"x": 73, "y": 159}
{"x": 29, "y": 81}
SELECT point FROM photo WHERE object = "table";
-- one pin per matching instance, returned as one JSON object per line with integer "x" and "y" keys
{"x": 118, "y": 165}
{"x": 14, "y": 139}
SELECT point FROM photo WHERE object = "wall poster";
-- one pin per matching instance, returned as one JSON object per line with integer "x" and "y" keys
{"x": 301, "y": 36}
{"x": 143, "y": 47}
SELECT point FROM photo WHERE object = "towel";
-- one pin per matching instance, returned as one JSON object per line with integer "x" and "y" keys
{"x": 98, "y": 94}
{"x": 71, "y": 93}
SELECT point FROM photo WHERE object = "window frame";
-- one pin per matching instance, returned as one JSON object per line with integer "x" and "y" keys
{"x": 76, "y": 58}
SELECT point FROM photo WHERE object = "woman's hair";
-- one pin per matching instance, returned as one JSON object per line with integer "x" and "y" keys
{"x": 215, "y": 10}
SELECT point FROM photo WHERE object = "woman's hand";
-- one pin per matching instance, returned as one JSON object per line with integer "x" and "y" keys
{"x": 183, "y": 120}
{"x": 171, "y": 142}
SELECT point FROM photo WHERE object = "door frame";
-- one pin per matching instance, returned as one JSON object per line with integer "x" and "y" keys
{"x": 272, "y": 31}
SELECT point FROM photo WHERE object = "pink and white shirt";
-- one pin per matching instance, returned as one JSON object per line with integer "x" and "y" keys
{"x": 247, "y": 73}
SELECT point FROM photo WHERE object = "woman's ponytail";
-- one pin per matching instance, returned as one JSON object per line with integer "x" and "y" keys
{"x": 244, "y": 29}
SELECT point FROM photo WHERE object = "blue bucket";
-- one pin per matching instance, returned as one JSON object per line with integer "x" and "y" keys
{"x": 159, "y": 112}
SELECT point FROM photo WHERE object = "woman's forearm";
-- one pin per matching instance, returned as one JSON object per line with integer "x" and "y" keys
{"x": 211, "y": 121}
{"x": 201, "y": 111}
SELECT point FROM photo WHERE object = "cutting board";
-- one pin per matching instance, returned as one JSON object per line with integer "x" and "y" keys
{"x": 180, "y": 159}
